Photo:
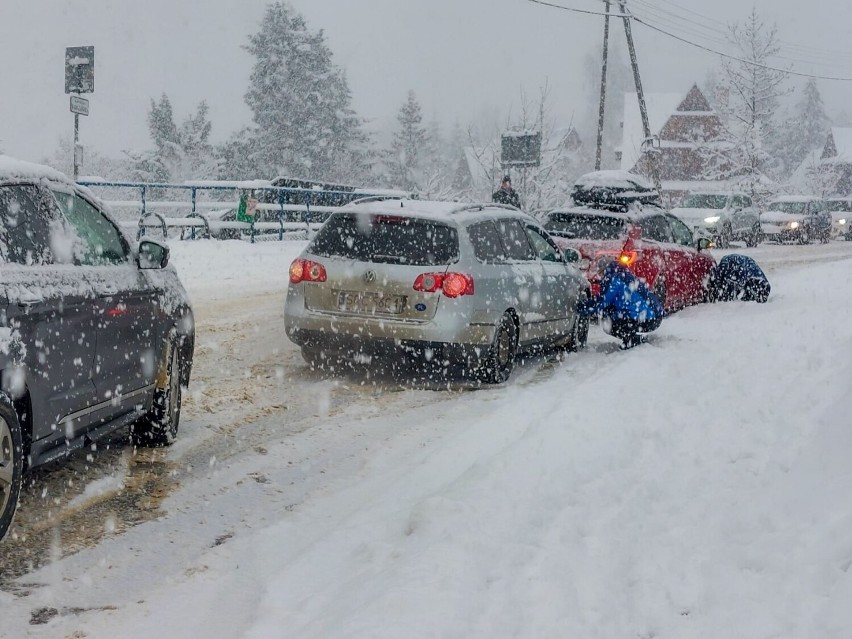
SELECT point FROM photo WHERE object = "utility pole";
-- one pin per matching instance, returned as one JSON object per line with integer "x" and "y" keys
{"x": 643, "y": 110}
{"x": 603, "y": 90}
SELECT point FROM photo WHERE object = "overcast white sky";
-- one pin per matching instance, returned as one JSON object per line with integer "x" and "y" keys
{"x": 461, "y": 57}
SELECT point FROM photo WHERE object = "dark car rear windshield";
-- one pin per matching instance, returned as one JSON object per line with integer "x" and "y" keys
{"x": 586, "y": 227}
{"x": 387, "y": 239}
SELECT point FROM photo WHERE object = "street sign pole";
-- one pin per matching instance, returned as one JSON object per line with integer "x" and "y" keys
{"x": 76, "y": 144}
{"x": 79, "y": 78}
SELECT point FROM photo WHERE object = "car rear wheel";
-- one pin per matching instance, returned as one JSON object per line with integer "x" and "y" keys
{"x": 661, "y": 291}
{"x": 500, "y": 360}
{"x": 160, "y": 426}
{"x": 11, "y": 464}
{"x": 580, "y": 330}
{"x": 753, "y": 239}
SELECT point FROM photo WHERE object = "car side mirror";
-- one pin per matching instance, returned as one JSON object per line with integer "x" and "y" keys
{"x": 570, "y": 256}
{"x": 153, "y": 254}
{"x": 702, "y": 243}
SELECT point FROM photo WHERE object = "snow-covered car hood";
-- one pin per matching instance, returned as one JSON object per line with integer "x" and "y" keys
{"x": 780, "y": 217}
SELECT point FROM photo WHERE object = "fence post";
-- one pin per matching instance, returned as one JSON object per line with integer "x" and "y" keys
{"x": 308, "y": 215}
{"x": 280, "y": 216}
{"x": 192, "y": 228}
{"x": 141, "y": 231}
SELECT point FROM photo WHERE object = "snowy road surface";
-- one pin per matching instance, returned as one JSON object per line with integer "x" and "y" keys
{"x": 697, "y": 486}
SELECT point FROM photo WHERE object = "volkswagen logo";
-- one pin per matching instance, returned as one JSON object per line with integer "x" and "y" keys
{"x": 370, "y": 276}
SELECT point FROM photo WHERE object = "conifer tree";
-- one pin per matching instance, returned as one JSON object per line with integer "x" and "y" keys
{"x": 305, "y": 126}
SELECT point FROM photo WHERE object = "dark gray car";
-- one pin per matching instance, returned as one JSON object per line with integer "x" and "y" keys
{"x": 94, "y": 334}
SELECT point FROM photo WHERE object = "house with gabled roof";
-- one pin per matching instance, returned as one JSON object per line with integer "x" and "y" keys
{"x": 687, "y": 126}
{"x": 828, "y": 171}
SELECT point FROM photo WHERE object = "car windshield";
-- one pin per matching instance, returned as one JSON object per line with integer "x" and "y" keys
{"x": 839, "y": 205}
{"x": 387, "y": 239}
{"x": 586, "y": 227}
{"x": 795, "y": 208}
{"x": 704, "y": 201}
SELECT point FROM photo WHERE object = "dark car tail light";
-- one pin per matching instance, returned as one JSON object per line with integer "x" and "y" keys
{"x": 451, "y": 284}
{"x": 306, "y": 271}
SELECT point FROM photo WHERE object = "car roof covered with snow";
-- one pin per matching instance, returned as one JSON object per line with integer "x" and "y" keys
{"x": 12, "y": 169}
{"x": 434, "y": 209}
{"x": 635, "y": 213}
{"x": 613, "y": 179}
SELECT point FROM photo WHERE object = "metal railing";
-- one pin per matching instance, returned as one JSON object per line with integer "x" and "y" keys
{"x": 286, "y": 200}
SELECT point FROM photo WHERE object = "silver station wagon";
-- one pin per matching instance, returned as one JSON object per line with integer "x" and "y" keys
{"x": 436, "y": 282}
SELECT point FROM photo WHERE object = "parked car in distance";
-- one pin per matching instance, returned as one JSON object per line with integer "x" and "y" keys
{"x": 441, "y": 282}
{"x": 841, "y": 217}
{"x": 796, "y": 218}
{"x": 655, "y": 245}
{"x": 96, "y": 333}
{"x": 722, "y": 216}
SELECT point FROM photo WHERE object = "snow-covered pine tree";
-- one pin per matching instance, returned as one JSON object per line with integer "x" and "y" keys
{"x": 408, "y": 145}
{"x": 305, "y": 126}
{"x": 750, "y": 92}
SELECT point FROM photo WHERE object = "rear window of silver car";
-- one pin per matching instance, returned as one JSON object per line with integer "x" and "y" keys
{"x": 585, "y": 227}
{"x": 388, "y": 239}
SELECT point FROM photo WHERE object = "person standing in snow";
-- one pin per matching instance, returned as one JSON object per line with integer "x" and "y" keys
{"x": 506, "y": 194}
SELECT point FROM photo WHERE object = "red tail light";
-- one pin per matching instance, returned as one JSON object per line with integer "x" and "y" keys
{"x": 452, "y": 284}
{"x": 306, "y": 271}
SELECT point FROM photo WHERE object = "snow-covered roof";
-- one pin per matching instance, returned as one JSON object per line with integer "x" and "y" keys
{"x": 842, "y": 142}
{"x": 696, "y": 186}
{"x": 616, "y": 179}
{"x": 12, "y": 169}
{"x": 660, "y": 106}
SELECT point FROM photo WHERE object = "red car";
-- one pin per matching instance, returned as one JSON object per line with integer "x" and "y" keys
{"x": 654, "y": 244}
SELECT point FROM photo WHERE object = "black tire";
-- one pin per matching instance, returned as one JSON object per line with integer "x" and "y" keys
{"x": 498, "y": 364}
{"x": 580, "y": 330}
{"x": 725, "y": 237}
{"x": 753, "y": 239}
{"x": 160, "y": 426}
{"x": 661, "y": 291}
{"x": 11, "y": 464}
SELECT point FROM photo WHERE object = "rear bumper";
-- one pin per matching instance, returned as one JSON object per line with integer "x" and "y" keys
{"x": 356, "y": 346}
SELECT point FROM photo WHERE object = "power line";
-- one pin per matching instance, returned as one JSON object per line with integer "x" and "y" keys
{"x": 738, "y": 59}
{"x": 695, "y": 44}
{"x": 787, "y": 50}
{"x": 575, "y": 10}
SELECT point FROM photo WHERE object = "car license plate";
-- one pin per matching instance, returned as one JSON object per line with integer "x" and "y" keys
{"x": 370, "y": 303}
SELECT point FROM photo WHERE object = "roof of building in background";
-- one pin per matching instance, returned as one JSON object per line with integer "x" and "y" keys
{"x": 839, "y": 144}
{"x": 660, "y": 108}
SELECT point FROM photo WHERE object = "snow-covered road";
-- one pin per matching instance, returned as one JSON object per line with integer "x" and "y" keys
{"x": 696, "y": 486}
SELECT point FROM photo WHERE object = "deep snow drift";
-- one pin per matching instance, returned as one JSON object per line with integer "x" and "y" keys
{"x": 696, "y": 486}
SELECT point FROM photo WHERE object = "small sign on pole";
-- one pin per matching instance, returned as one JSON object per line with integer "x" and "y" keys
{"x": 79, "y": 105}
{"x": 80, "y": 70}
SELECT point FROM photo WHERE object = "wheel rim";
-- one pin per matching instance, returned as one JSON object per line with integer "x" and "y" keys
{"x": 7, "y": 464}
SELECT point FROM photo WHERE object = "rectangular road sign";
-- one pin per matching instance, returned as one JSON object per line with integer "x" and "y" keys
{"x": 79, "y": 105}
{"x": 80, "y": 70}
